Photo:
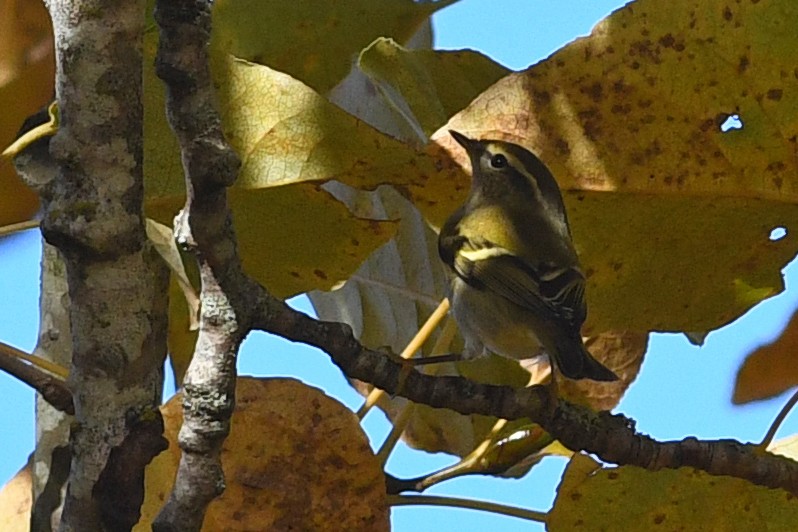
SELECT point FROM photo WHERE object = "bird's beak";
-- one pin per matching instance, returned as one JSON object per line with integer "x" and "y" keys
{"x": 472, "y": 147}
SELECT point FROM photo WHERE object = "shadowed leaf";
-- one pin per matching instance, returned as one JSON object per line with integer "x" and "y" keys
{"x": 313, "y": 41}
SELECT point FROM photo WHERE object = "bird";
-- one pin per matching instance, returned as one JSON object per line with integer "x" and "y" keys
{"x": 516, "y": 283}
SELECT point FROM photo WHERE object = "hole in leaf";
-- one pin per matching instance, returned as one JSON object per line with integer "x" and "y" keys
{"x": 731, "y": 122}
{"x": 777, "y": 233}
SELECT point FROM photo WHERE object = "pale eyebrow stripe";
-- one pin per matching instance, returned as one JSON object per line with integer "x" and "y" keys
{"x": 495, "y": 149}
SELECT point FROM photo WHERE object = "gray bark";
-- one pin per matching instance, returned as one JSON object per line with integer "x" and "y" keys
{"x": 117, "y": 285}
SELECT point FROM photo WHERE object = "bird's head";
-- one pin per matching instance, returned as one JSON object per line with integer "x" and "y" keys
{"x": 510, "y": 175}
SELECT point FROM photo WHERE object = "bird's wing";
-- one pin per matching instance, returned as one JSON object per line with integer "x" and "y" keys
{"x": 558, "y": 292}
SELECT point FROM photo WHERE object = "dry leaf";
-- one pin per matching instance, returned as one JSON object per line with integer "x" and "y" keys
{"x": 771, "y": 369}
{"x": 622, "y": 352}
{"x": 295, "y": 459}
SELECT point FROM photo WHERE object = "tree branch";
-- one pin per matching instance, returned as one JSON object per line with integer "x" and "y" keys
{"x": 233, "y": 304}
{"x": 611, "y": 437}
{"x": 205, "y": 227}
{"x": 92, "y": 212}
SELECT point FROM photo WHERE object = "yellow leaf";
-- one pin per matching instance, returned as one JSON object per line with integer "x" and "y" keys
{"x": 274, "y": 223}
{"x": 632, "y": 498}
{"x": 163, "y": 240}
{"x": 303, "y": 137}
{"x": 182, "y": 337}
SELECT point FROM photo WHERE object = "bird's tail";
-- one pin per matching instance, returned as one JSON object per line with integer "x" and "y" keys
{"x": 575, "y": 362}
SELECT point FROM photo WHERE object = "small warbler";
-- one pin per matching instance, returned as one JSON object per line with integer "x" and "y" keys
{"x": 517, "y": 285}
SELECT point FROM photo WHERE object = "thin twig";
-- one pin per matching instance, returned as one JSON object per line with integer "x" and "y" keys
{"x": 204, "y": 227}
{"x": 400, "y": 422}
{"x": 398, "y": 428}
{"x": 52, "y": 389}
{"x": 41, "y": 363}
{"x": 774, "y": 427}
{"x": 456, "y": 502}
{"x": 10, "y": 229}
{"x": 415, "y": 344}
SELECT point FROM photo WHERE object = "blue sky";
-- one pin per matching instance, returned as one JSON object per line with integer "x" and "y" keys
{"x": 682, "y": 390}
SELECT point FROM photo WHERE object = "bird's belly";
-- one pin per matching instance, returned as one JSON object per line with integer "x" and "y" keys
{"x": 488, "y": 321}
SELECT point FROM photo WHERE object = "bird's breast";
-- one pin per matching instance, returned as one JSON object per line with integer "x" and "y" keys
{"x": 488, "y": 321}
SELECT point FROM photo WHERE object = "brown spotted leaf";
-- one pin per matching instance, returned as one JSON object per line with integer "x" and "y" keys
{"x": 312, "y": 470}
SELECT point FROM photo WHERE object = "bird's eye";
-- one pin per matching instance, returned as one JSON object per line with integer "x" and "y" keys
{"x": 498, "y": 161}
